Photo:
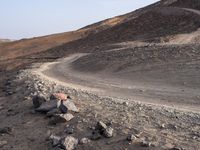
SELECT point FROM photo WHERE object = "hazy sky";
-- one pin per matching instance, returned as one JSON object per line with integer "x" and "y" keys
{"x": 29, "y": 18}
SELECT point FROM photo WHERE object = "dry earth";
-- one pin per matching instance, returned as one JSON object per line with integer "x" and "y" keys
{"x": 136, "y": 86}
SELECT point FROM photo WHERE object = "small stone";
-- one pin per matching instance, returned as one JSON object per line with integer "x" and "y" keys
{"x": 5, "y": 130}
{"x": 38, "y": 100}
{"x": 69, "y": 130}
{"x": 61, "y": 118}
{"x": 145, "y": 143}
{"x": 2, "y": 143}
{"x": 176, "y": 148}
{"x": 59, "y": 96}
{"x": 108, "y": 132}
{"x": 163, "y": 126}
{"x": 47, "y": 106}
{"x": 101, "y": 127}
{"x": 84, "y": 141}
{"x": 69, "y": 143}
{"x": 56, "y": 140}
{"x": 125, "y": 103}
{"x": 131, "y": 137}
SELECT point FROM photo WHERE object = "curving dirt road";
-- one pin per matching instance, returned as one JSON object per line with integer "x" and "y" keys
{"x": 160, "y": 86}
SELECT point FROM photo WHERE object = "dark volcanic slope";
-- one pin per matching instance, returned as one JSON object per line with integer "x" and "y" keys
{"x": 153, "y": 24}
{"x": 194, "y": 4}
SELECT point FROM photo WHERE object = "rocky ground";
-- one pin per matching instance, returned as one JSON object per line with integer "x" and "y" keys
{"x": 131, "y": 125}
{"x": 102, "y": 123}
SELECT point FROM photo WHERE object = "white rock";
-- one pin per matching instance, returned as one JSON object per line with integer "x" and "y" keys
{"x": 69, "y": 143}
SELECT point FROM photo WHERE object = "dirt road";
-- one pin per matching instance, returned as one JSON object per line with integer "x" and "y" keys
{"x": 160, "y": 86}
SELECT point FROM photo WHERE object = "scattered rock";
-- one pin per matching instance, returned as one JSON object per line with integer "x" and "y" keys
{"x": 5, "y": 130}
{"x": 53, "y": 112}
{"x": 108, "y": 132}
{"x": 131, "y": 137}
{"x": 163, "y": 126}
{"x": 125, "y": 103}
{"x": 104, "y": 130}
{"x": 100, "y": 127}
{"x": 61, "y": 118}
{"x": 69, "y": 130}
{"x": 69, "y": 143}
{"x": 58, "y": 96}
{"x": 84, "y": 141}
{"x": 145, "y": 143}
{"x": 177, "y": 148}
{"x": 38, "y": 100}
{"x": 67, "y": 105}
{"x": 56, "y": 140}
{"x": 2, "y": 143}
{"x": 47, "y": 106}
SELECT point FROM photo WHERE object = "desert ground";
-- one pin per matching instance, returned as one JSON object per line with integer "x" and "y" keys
{"x": 135, "y": 76}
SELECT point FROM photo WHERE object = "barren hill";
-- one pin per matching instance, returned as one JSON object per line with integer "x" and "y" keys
{"x": 158, "y": 22}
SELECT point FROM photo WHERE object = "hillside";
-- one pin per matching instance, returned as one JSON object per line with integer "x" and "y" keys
{"x": 4, "y": 40}
{"x": 155, "y": 23}
{"x": 129, "y": 82}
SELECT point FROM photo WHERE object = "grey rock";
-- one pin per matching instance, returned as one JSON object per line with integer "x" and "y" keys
{"x": 5, "y": 130}
{"x": 125, "y": 103}
{"x": 131, "y": 137}
{"x": 61, "y": 118}
{"x": 84, "y": 141}
{"x": 145, "y": 143}
{"x": 69, "y": 143}
{"x": 104, "y": 130}
{"x": 53, "y": 112}
{"x": 69, "y": 130}
{"x": 70, "y": 106}
{"x": 177, "y": 148}
{"x": 100, "y": 126}
{"x": 47, "y": 106}
{"x": 56, "y": 140}
{"x": 108, "y": 132}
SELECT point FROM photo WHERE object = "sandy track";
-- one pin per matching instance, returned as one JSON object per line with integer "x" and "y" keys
{"x": 147, "y": 91}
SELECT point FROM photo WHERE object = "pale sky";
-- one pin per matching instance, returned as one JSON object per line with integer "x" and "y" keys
{"x": 30, "y": 18}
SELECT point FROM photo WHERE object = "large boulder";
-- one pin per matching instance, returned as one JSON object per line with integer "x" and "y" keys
{"x": 47, "y": 106}
{"x": 38, "y": 100}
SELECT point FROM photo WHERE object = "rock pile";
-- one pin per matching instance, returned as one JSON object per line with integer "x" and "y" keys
{"x": 59, "y": 108}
